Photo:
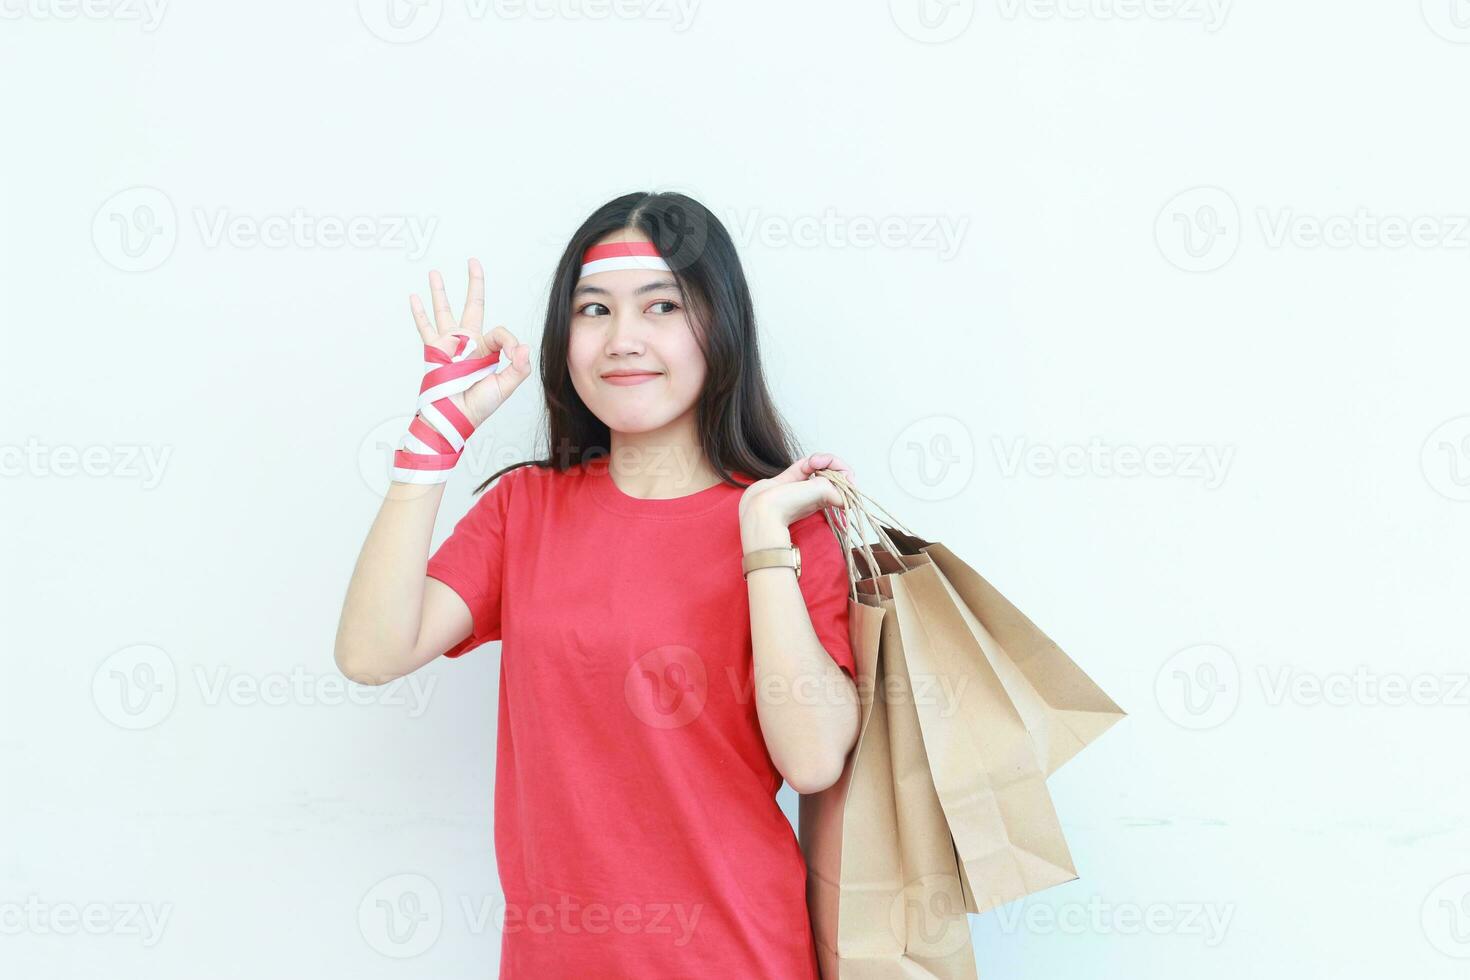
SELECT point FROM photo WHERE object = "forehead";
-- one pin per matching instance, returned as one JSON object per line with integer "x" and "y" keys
{"x": 625, "y": 282}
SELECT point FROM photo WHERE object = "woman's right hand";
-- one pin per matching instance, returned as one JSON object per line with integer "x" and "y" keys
{"x": 482, "y": 398}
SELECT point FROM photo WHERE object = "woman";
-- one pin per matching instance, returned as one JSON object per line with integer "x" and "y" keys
{"x": 670, "y": 598}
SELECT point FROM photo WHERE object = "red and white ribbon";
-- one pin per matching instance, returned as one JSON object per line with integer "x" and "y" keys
{"x": 612, "y": 256}
{"x": 436, "y": 436}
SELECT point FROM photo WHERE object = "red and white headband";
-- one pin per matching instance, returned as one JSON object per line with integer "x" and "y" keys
{"x": 614, "y": 256}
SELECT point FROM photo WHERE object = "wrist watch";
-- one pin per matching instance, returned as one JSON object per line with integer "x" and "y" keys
{"x": 786, "y": 556}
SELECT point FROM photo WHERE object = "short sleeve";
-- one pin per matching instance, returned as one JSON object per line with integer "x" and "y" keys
{"x": 471, "y": 561}
{"x": 825, "y": 586}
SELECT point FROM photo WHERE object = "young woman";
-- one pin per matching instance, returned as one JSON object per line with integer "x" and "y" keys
{"x": 670, "y": 600}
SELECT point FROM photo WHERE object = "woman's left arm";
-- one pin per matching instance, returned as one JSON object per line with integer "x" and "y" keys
{"x": 807, "y": 706}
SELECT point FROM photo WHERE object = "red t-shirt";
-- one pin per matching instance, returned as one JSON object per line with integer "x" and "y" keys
{"x": 636, "y": 827}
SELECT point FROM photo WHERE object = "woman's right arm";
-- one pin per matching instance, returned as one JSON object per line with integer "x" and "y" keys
{"x": 395, "y": 618}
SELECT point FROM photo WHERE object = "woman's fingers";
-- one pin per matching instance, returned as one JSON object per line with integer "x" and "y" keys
{"x": 474, "y": 301}
{"x": 444, "y": 320}
{"x": 504, "y": 341}
{"x": 421, "y": 319}
{"x": 501, "y": 339}
{"x": 828, "y": 461}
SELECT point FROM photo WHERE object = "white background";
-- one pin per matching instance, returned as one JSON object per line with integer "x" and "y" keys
{"x": 1131, "y": 194}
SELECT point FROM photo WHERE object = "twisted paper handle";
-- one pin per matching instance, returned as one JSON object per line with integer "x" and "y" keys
{"x": 436, "y": 436}
{"x": 850, "y": 533}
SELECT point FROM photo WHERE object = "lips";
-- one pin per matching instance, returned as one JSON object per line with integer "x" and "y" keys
{"x": 635, "y": 378}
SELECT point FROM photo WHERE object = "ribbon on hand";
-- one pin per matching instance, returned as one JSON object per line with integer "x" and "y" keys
{"x": 437, "y": 434}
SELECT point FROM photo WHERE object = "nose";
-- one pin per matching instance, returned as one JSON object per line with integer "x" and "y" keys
{"x": 625, "y": 333}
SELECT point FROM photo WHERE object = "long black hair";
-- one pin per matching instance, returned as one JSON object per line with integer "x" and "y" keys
{"x": 738, "y": 424}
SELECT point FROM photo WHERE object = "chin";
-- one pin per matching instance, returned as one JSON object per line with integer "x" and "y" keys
{"x": 633, "y": 423}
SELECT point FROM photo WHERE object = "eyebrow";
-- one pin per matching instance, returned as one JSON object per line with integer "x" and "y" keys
{"x": 651, "y": 287}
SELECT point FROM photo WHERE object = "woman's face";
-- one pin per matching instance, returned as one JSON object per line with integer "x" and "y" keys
{"x": 634, "y": 320}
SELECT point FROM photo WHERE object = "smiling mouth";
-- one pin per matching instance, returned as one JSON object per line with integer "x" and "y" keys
{"x": 630, "y": 379}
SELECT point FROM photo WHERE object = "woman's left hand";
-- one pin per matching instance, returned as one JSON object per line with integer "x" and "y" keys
{"x": 769, "y": 507}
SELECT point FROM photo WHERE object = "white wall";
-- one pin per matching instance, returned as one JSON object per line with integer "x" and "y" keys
{"x": 1122, "y": 201}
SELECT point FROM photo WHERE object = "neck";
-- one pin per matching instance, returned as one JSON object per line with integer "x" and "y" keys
{"x": 661, "y": 463}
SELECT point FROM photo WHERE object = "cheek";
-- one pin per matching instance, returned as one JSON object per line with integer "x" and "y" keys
{"x": 686, "y": 363}
{"x": 582, "y": 353}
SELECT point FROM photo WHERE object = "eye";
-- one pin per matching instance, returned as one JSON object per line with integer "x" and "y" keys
{"x": 582, "y": 310}
{"x": 669, "y": 303}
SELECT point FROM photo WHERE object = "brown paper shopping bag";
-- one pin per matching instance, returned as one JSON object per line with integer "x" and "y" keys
{"x": 883, "y": 886}
{"x": 1064, "y": 710}
{"x": 987, "y": 766}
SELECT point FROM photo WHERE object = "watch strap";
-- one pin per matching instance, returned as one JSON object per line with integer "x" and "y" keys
{"x": 785, "y": 556}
